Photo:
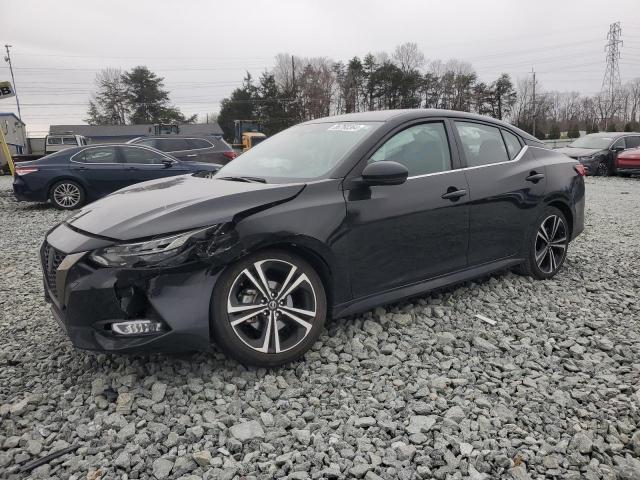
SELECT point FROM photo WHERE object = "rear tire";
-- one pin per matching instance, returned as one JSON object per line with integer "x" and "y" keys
{"x": 547, "y": 245}
{"x": 67, "y": 195}
{"x": 268, "y": 309}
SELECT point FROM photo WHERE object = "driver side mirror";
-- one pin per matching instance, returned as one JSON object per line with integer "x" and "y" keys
{"x": 167, "y": 162}
{"x": 384, "y": 173}
{"x": 618, "y": 149}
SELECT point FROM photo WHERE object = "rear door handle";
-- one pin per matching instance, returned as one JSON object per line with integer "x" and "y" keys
{"x": 535, "y": 177}
{"x": 80, "y": 168}
{"x": 453, "y": 194}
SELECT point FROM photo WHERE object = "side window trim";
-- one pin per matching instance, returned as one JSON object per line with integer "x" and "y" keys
{"x": 115, "y": 155}
{"x": 463, "y": 164}
{"x": 504, "y": 140}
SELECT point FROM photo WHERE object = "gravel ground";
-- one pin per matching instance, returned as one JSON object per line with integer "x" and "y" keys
{"x": 420, "y": 389}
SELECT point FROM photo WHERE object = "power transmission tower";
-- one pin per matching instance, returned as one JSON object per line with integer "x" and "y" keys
{"x": 611, "y": 81}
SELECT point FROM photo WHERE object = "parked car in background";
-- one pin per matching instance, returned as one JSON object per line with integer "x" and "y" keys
{"x": 56, "y": 143}
{"x": 597, "y": 152}
{"x": 189, "y": 148}
{"x": 628, "y": 162}
{"x": 79, "y": 175}
{"x": 327, "y": 218}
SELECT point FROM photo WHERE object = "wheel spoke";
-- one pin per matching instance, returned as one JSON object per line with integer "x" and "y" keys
{"x": 300, "y": 311}
{"x": 540, "y": 257}
{"x": 302, "y": 322}
{"x": 265, "y": 283}
{"x": 267, "y": 336}
{"x": 559, "y": 241}
{"x": 243, "y": 308}
{"x": 256, "y": 284}
{"x": 556, "y": 224}
{"x": 560, "y": 246}
{"x": 276, "y": 334}
{"x": 287, "y": 280}
{"x": 294, "y": 285}
{"x": 246, "y": 317}
{"x": 552, "y": 260}
{"x": 543, "y": 232}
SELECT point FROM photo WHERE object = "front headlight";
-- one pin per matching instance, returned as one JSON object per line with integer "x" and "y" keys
{"x": 587, "y": 158}
{"x": 162, "y": 251}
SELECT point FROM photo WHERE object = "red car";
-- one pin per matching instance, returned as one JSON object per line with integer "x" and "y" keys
{"x": 628, "y": 162}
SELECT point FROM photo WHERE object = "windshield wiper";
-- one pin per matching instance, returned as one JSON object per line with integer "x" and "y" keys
{"x": 244, "y": 179}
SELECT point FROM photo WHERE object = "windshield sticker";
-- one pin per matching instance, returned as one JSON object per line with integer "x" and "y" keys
{"x": 348, "y": 127}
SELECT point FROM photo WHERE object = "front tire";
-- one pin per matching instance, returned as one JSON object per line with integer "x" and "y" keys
{"x": 67, "y": 195}
{"x": 547, "y": 245}
{"x": 268, "y": 309}
{"x": 603, "y": 169}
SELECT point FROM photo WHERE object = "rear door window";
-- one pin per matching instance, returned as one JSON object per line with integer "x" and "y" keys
{"x": 69, "y": 141}
{"x": 54, "y": 141}
{"x": 512, "y": 143}
{"x": 482, "y": 144}
{"x": 149, "y": 142}
{"x": 172, "y": 144}
{"x": 142, "y": 156}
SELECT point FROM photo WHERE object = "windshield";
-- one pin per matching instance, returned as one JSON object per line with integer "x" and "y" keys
{"x": 302, "y": 152}
{"x": 594, "y": 142}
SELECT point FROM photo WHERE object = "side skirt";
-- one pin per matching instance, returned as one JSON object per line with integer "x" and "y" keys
{"x": 367, "y": 303}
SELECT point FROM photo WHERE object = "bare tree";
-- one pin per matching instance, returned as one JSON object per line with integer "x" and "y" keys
{"x": 108, "y": 105}
{"x": 408, "y": 57}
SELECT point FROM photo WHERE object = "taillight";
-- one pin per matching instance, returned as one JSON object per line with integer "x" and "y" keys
{"x": 580, "y": 169}
{"x": 230, "y": 155}
{"x": 25, "y": 170}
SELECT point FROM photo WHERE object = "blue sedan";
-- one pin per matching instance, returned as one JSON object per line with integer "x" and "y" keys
{"x": 79, "y": 175}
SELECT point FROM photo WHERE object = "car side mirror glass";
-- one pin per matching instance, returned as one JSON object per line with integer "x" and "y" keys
{"x": 618, "y": 149}
{"x": 384, "y": 173}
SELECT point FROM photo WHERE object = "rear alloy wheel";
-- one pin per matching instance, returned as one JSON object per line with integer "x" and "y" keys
{"x": 268, "y": 309}
{"x": 603, "y": 169}
{"x": 67, "y": 195}
{"x": 548, "y": 247}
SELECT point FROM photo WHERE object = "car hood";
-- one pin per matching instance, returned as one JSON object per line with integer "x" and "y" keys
{"x": 179, "y": 203}
{"x": 578, "y": 152}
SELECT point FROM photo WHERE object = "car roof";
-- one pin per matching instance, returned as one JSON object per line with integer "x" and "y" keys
{"x": 416, "y": 113}
{"x": 610, "y": 134}
{"x": 206, "y": 137}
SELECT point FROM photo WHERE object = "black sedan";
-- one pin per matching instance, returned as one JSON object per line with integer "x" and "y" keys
{"x": 597, "y": 152}
{"x": 190, "y": 149}
{"x": 73, "y": 177}
{"x": 328, "y": 218}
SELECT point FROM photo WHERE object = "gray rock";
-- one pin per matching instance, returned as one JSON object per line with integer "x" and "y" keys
{"x": 247, "y": 431}
{"x": 202, "y": 457}
{"x": 162, "y": 468}
{"x": 158, "y": 391}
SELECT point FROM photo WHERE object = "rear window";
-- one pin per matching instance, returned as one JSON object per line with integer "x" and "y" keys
{"x": 197, "y": 143}
{"x": 96, "y": 155}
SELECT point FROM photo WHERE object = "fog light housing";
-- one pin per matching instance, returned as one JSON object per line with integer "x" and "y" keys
{"x": 136, "y": 327}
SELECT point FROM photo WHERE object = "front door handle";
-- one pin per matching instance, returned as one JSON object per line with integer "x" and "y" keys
{"x": 534, "y": 177}
{"x": 453, "y": 194}
{"x": 193, "y": 155}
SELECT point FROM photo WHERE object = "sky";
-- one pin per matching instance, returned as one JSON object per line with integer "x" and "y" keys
{"x": 203, "y": 48}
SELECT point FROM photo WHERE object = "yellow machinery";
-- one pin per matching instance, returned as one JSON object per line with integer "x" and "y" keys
{"x": 247, "y": 134}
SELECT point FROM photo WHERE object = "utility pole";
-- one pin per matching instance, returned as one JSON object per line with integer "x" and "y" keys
{"x": 13, "y": 80}
{"x": 533, "y": 103}
{"x": 611, "y": 80}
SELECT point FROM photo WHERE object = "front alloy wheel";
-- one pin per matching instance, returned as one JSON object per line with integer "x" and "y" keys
{"x": 273, "y": 309}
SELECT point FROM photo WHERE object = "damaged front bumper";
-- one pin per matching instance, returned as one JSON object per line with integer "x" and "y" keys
{"x": 91, "y": 302}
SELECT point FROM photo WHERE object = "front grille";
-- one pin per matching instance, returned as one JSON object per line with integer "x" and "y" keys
{"x": 51, "y": 260}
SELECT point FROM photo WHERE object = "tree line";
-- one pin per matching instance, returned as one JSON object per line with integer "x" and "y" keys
{"x": 134, "y": 97}
{"x": 297, "y": 89}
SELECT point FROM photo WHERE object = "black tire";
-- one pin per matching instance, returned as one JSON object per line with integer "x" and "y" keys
{"x": 67, "y": 195}
{"x": 603, "y": 169}
{"x": 624, "y": 174}
{"x": 541, "y": 267}
{"x": 242, "y": 335}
